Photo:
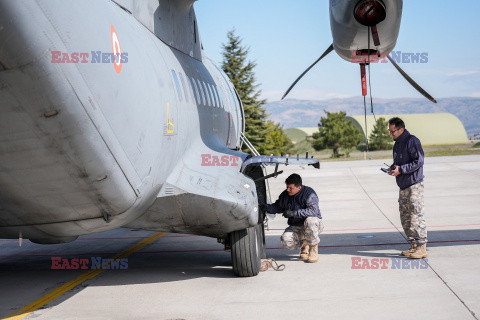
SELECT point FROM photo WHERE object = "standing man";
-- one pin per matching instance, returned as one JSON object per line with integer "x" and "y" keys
{"x": 408, "y": 163}
{"x": 299, "y": 204}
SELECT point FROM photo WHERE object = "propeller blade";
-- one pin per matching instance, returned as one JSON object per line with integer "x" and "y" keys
{"x": 411, "y": 81}
{"x": 330, "y": 49}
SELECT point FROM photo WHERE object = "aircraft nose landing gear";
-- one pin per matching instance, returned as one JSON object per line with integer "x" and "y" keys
{"x": 247, "y": 249}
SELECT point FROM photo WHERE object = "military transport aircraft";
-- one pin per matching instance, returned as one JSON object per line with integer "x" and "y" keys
{"x": 111, "y": 116}
{"x": 365, "y": 31}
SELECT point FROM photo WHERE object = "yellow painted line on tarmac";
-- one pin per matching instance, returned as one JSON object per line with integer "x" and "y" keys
{"x": 25, "y": 311}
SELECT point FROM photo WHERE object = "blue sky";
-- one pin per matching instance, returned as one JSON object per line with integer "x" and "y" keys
{"x": 285, "y": 37}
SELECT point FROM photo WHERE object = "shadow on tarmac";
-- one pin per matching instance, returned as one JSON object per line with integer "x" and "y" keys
{"x": 161, "y": 263}
{"x": 379, "y": 244}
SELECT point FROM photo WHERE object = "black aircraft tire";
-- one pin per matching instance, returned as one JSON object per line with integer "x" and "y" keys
{"x": 260, "y": 230}
{"x": 244, "y": 251}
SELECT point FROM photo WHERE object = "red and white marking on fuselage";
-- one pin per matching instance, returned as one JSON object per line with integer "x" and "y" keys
{"x": 116, "y": 49}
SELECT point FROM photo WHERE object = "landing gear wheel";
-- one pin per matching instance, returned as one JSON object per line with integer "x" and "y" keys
{"x": 245, "y": 249}
{"x": 260, "y": 230}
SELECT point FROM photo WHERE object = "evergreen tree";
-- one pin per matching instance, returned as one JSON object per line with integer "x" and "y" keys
{"x": 266, "y": 137}
{"x": 276, "y": 140}
{"x": 335, "y": 132}
{"x": 380, "y": 138}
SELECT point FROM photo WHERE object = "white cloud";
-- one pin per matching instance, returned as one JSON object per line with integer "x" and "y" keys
{"x": 475, "y": 95}
{"x": 463, "y": 73}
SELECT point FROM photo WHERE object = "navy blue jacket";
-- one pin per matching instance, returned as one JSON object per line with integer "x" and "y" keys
{"x": 408, "y": 155}
{"x": 304, "y": 203}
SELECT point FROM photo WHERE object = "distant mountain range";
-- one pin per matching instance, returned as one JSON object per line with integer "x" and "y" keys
{"x": 306, "y": 113}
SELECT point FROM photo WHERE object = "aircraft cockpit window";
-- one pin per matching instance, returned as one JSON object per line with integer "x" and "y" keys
{"x": 197, "y": 94}
{"x": 220, "y": 102}
{"x": 227, "y": 99}
{"x": 185, "y": 89}
{"x": 209, "y": 103}
{"x": 212, "y": 102}
{"x": 238, "y": 103}
{"x": 202, "y": 92}
{"x": 214, "y": 99}
{"x": 215, "y": 96}
{"x": 177, "y": 84}
{"x": 190, "y": 88}
{"x": 232, "y": 98}
{"x": 218, "y": 90}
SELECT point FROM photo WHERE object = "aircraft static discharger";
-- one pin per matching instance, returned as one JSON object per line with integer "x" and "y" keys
{"x": 111, "y": 116}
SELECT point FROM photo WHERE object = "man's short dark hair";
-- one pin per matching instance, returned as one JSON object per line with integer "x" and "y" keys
{"x": 294, "y": 179}
{"x": 397, "y": 122}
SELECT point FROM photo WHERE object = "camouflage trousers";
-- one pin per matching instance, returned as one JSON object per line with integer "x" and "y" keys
{"x": 293, "y": 237}
{"x": 412, "y": 213}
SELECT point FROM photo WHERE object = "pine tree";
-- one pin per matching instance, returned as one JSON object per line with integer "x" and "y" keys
{"x": 276, "y": 140}
{"x": 266, "y": 137}
{"x": 380, "y": 138}
{"x": 335, "y": 132}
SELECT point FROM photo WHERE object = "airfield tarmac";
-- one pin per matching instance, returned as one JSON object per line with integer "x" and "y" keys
{"x": 171, "y": 276}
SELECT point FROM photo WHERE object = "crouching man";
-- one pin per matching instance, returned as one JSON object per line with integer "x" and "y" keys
{"x": 299, "y": 204}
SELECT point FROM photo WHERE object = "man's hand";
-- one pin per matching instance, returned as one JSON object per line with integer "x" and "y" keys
{"x": 289, "y": 214}
{"x": 395, "y": 172}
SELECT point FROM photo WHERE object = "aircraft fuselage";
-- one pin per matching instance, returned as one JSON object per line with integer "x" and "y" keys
{"x": 117, "y": 137}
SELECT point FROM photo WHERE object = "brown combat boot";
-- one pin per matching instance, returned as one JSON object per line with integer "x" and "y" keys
{"x": 408, "y": 252}
{"x": 313, "y": 254}
{"x": 304, "y": 252}
{"x": 420, "y": 252}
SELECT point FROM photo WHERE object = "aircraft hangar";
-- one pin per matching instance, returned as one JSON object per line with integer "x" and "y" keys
{"x": 430, "y": 128}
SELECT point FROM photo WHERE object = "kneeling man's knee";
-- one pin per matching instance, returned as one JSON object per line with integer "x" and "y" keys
{"x": 312, "y": 222}
{"x": 312, "y": 230}
{"x": 288, "y": 241}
